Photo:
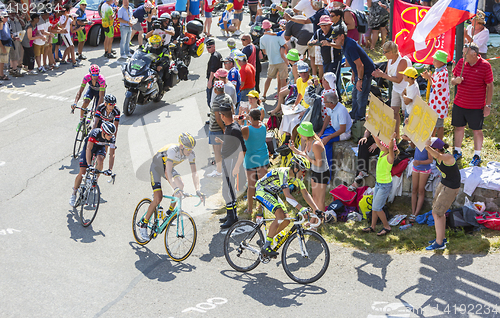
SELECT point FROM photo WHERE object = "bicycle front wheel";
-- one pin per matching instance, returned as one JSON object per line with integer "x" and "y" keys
{"x": 90, "y": 205}
{"x": 242, "y": 246}
{"x": 180, "y": 236}
{"x": 139, "y": 213}
{"x": 305, "y": 257}
{"x": 80, "y": 137}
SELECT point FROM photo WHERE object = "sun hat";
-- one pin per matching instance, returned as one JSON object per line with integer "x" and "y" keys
{"x": 253, "y": 93}
{"x": 266, "y": 24}
{"x": 410, "y": 72}
{"x": 302, "y": 67}
{"x": 82, "y": 2}
{"x": 306, "y": 129}
{"x": 219, "y": 84}
{"x": 480, "y": 17}
{"x": 229, "y": 6}
{"x": 331, "y": 78}
{"x": 324, "y": 20}
{"x": 221, "y": 72}
{"x": 441, "y": 56}
{"x": 437, "y": 143}
{"x": 293, "y": 55}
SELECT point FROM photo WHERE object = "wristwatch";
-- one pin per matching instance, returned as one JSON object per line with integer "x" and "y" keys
{"x": 489, "y": 106}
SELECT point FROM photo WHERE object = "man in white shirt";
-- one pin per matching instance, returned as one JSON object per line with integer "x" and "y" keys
{"x": 41, "y": 45}
{"x": 65, "y": 22}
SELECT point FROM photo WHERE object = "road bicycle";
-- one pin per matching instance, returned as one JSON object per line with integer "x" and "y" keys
{"x": 179, "y": 226}
{"x": 89, "y": 195}
{"x": 305, "y": 256}
{"x": 84, "y": 127}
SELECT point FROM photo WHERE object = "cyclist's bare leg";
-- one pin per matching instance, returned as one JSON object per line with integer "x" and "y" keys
{"x": 100, "y": 163}
{"x": 157, "y": 197}
{"x": 86, "y": 103}
{"x": 276, "y": 225}
{"x": 78, "y": 179}
{"x": 111, "y": 158}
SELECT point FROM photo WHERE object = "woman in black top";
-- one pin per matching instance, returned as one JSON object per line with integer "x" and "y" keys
{"x": 447, "y": 190}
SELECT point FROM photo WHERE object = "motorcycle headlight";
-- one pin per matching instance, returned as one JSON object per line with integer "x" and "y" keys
{"x": 254, "y": 33}
{"x": 133, "y": 79}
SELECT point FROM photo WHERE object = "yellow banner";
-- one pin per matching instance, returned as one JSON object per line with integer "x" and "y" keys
{"x": 380, "y": 120}
{"x": 421, "y": 123}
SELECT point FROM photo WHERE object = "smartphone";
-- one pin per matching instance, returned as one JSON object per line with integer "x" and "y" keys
{"x": 240, "y": 117}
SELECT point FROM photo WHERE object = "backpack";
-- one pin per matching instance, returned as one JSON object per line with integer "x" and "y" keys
{"x": 361, "y": 19}
{"x": 99, "y": 8}
{"x": 316, "y": 118}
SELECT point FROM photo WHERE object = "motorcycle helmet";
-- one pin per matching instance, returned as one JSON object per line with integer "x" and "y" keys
{"x": 108, "y": 128}
{"x": 175, "y": 15}
{"x": 94, "y": 69}
{"x": 165, "y": 16}
{"x": 110, "y": 99}
{"x": 299, "y": 162}
{"x": 187, "y": 140}
{"x": 273, "y": 8}
{"x": 155, "y": 41}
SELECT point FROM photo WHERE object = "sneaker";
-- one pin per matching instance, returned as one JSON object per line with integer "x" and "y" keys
{"x": 436, "y": 246}
{"x": 75, "y": 64}
{"x": 214, "y": 174}
{"x": 113, "y": 51}
{"x": 57, "y": 65}
{"x": 32, "y": 72}
{"x": 72, "y": 200}
{"x": 361, "y": 175}
{"x": 457, "y": 155}
{"x": 131, "y": 44}
{"x": 268, "y": 252}
{"x": 110, "y": 56}
{"x": 223, "y": 32}
{"x": 82, "y": 57}
{"x": 143, "y": 230}
{"x": 238, "y": 32}
{"x": 63, "y": 62}
{"x": 434, "y": 240}
{"x": 476, "y": 161}
{"x": 41, "y": 69}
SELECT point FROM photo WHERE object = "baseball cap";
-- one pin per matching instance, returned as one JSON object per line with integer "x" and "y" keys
{"x": 253, "y": 93}
{"x": 302, "y": 67}
{"x": 410, "y": 72}
{"x": 228, "y": 59}
{"x": 437, "y": 143}
{"x": 338, "y": 30}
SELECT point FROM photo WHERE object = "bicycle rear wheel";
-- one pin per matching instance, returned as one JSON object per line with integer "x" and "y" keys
{"x": 180, "y": 236}
{"x": 241, "y": 246}
{"x": 90, "y": 205}
{"x": 139, "y": 214}
{"x": 305, "y": 257}
{"x": 80, "y": 137}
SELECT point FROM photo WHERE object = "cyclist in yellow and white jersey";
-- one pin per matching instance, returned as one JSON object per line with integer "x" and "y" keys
{"x": 163, "y": 165}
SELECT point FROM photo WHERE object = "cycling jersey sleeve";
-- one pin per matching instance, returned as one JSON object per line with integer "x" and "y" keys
{"x": 171, "y": 153}
{"x": 102, "y": 83}
{"x": 87, "y": 78}
{"x": 191, "y": 158}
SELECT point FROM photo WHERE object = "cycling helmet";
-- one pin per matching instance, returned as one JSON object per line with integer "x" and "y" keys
{"x": 110, "y": 99}
{"x": 155, "y": 41}
{"x": 299, "y": 162}
{"x": 175, "y": 15}
{"x": 187, "y": 140}
{"x": 108, "y": 128}
{"x": 148, "y": 4}
{"x": 94, "y": 69}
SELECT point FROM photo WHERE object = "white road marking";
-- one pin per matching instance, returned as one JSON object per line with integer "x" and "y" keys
{"x": 12, "y": 115}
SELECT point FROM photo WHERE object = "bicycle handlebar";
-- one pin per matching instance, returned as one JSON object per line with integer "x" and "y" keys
{"x": 186, "y": 195}
{"x": 86, "y": 110}
{"x": 113, "y": 176}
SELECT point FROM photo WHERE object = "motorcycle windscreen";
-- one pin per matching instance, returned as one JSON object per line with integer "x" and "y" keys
{"x": 140, "y": 62}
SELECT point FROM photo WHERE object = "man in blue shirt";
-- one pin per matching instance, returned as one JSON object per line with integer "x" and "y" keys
{"x": 142, "y": 13}
{"x": 124, "y": 17}
{"x": 233, "y": 76}
{"x": 362, "y": 67}
{"x": 194, "y": 10}
{"x": 182, "y": 5}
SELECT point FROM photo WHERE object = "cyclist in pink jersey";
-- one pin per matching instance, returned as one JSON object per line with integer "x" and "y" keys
{"x": 97, "y": 88}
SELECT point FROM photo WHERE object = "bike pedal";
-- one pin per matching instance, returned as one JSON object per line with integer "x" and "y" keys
{"x": 154, "y": 235}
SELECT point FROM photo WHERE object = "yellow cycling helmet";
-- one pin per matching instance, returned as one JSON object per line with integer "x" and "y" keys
{"x": 155, "y": 41}
{"x": 229, "y": 6}
{"x": 187, "y": 140}
{"x": 300, "y": 162}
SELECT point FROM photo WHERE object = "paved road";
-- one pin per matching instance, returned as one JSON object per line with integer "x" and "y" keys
{"x": 51, "y": 266}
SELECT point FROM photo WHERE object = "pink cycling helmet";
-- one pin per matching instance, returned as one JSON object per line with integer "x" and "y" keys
{"x": 94, "y": 69}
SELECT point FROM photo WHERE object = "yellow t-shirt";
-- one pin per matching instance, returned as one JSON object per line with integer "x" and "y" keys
{"x": 301, "y": 88}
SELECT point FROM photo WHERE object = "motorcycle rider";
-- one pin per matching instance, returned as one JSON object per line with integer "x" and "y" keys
{"x": 163, "y": 62}
{"x": 162, "y": 28}
{"x": 176, "y": 24}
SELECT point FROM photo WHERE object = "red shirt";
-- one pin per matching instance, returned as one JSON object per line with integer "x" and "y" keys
{"x": 206, "y": 7}
{"x": 238, "y": 5}
{"x": 471, "y": 93}
{"x": 247, "y": 75}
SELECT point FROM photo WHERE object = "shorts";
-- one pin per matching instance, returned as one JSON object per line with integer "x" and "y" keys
{"x": 462, "y": 116}
{"x": 192, "y": 17}
{"x": 90, "y": 94}
{"x": 212, "y": 135}
{"x": 16, "y": 52}
{"x": 66, "y": 38}
{"x": 302, "y": 49}
{"x": 4, "y": 57}
{"x": 38, "y": 49}
{"x": 317, "y": 54}
{"x": 97, "y": 150}
{"x": 269, "y": 201}
{"x": 273, "y": 69}
{"x": 81, "y": 35}
{"x": 157, "y": 171}
{"x": 396, "y": 99}
{"x": 440, "y": 123}
{"x": 381, "y": 25}
{"x": 137, "y": 27}
{"x": 109, "y": 32}
{"x": 208, "y": 14}
{"x": 428, "y": 171}
{"x": 443, "y": 199}
{"x": 380, "y": 195}
{"x": 239, "y": 16}
{"x": 321, "y": 177}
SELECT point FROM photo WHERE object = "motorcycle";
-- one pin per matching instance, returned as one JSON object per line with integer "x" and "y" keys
{"x": 144, "y": 83}
{"x": 190, "y": 44}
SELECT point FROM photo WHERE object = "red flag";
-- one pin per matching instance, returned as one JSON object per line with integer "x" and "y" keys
{"x": 406, "y": 16}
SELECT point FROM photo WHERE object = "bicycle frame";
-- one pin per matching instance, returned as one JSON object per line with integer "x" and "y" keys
{"x": 159, "y": 228}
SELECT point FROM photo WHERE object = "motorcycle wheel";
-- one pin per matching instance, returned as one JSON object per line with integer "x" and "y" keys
{"x": 186, "y": 59}
{"x": 129, "y": 105}
{"x": 158, "y": 97}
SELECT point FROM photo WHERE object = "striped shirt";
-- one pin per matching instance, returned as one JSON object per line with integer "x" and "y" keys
{"x": 471, "y": 93}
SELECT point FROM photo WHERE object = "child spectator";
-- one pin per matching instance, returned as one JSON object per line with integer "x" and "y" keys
{"x": 421, "y": 171}
{"x": 383, "y": 184}
{"x": 411, "y": 91}
{"x": 225, "y": 22}
{"x": 439, "y": 99}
